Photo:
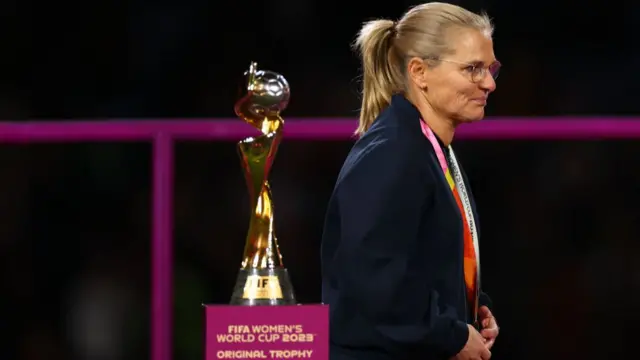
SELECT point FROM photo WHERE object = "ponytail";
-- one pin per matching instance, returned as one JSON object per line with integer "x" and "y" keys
{"x": 381, "y": 73}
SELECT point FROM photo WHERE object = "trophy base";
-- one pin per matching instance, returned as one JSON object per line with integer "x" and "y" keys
{"x": 263, "y": 287}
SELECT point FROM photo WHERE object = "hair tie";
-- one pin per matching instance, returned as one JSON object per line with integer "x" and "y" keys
{"x": 394, "y": 28}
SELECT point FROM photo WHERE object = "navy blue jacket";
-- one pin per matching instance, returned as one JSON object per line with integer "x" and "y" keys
{"x": 392, "y": 248}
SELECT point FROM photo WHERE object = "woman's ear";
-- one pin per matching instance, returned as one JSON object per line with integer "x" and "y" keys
{"x": 417, "y": 72}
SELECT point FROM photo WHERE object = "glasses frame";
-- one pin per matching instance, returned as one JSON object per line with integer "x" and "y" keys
{"x": 477, "y": 72}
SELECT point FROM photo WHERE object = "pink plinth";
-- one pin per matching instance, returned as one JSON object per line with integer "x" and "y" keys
{"x": 267, "y": 332}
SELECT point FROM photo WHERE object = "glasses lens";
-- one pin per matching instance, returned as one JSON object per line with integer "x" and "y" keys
{"x": 494, "y": 69}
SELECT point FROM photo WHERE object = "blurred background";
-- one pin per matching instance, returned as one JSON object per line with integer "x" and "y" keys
{"x": 559, "y": 219}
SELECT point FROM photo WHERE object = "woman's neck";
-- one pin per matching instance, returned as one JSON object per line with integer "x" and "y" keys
{"x": 444, "y": 128}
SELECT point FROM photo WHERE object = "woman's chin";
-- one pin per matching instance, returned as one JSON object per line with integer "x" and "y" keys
{"x": 473, "y": 116}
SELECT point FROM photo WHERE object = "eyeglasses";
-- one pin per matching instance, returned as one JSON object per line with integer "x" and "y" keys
{"x": 476, "y": 72}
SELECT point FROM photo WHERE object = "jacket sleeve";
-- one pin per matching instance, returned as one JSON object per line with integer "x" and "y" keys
{"x": 381, "y": 200}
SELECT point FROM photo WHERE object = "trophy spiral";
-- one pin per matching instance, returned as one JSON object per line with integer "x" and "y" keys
{"x": 262, "y": 279}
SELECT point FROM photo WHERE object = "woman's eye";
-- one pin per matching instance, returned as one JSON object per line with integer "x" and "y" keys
{"x": 470, "y": 69}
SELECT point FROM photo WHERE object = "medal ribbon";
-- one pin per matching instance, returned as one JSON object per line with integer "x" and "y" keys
{"x": 471, "y": 250}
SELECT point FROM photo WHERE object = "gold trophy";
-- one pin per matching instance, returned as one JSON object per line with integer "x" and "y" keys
{"x": 263, "y": 279}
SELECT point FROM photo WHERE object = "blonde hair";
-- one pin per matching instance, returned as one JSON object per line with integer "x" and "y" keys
{"x": 385, "y": 46}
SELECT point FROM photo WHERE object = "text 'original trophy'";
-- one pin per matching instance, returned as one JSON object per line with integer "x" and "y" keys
{"x": 263, "y": 279}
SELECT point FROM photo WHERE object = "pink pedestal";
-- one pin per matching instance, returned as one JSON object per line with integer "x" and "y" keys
{"x": 267, "y": 332}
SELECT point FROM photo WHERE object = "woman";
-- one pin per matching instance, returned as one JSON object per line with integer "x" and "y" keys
{"x": 400, "y": 243}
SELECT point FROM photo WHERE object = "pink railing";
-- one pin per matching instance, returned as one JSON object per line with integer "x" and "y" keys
{"x": 163, "y": 134}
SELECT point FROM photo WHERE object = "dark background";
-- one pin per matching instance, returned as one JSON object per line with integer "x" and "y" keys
{"x": 559, "y": 219}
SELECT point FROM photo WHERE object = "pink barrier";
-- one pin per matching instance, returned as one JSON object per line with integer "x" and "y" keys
{"x": 163, "y": 134}
{"x": 567, "y": 128}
